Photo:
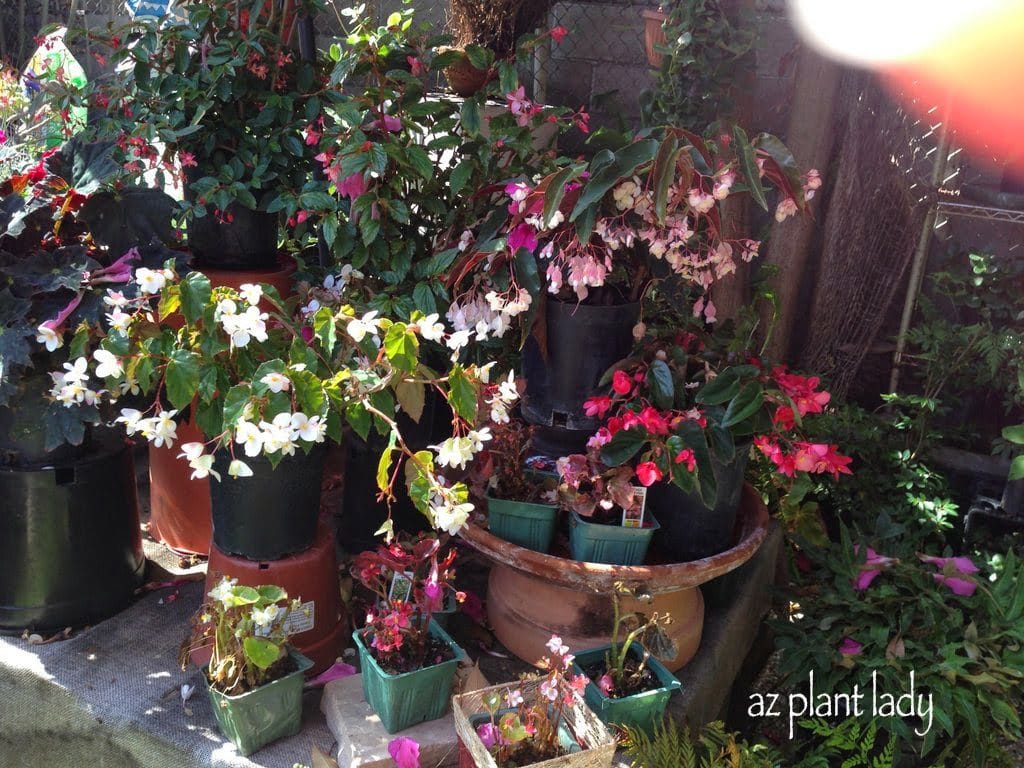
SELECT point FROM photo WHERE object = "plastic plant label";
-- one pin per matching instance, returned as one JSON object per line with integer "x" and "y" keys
{"x": 301, "y": 620}
{"x": 634, "y": 516}
{"x": 401, "y": 587}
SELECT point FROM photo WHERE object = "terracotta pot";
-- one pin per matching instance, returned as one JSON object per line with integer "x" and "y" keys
{"x": 531, "y": 596}
{"x": 179, "y": 505}
{"x": 464, "y": 78}
{"x": 654, "y": 35}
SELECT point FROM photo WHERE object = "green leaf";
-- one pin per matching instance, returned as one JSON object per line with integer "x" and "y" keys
{"x": 528, "y": 278}
{"x": 693, "y": 436}
{"x": 623, "y": 446}
{"x": 664, "y": 173}
{"x": 626, "y": 161}
{"x": 460, "y": 175}
{"x": 1014, "y": 434}
{"x": 359, "y": 419}
{"x": 402, "y": 347}
{"x": 411, "y": 396}
{"x": 462, "y": 394}
{"x": 384, "y": 464}
{"x": 470, "y": 115}
{"x": 272, "y": 593}
{"x": 555, "y": 191}
{"x": 292, "y": 145}
{"x": 323, "y": 327}
{"x": 195, "y": 295}
{"x": 660, "y": 384}
{"x": 745, "y": 404}
{"x": 748, "y": 164}
{"x": 420, "y": 161}
{"x": 1016, "y": 468}
{"x": 234, "y": 403}
{"x": 182, "y": 380}
{"x": 261, "y": 651}
{"x": 720, "y": 389}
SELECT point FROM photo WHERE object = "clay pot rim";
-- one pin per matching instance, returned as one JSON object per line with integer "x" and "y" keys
{"x": 654, "y": 14}
{"x": 652, "y": 579}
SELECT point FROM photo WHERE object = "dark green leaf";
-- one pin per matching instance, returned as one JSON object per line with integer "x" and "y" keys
{"x": 745, "y": 404}
{"x": 195, "y": 295}
{"x": 260, "y": 651}
{"x": 182, "y": 382}
{"x": 623, "y": 446}
{"x": 660, "y": 384}
{"x": 748, "y": 164}
{"x": 462, "y": 394}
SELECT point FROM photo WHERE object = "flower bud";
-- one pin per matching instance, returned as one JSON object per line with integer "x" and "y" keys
{"x": 639, "y": 330}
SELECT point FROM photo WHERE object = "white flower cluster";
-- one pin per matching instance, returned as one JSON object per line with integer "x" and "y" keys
{"x": 449, "y": 515}
{"x": 488, "y": 316}
{"x": 281, "y": 434}
{"x": 503, "y": 399}
{"x": 246, "y": 325}
{"x": 152, "y": 281}
{"x": 330, "y": 293}
{"x": 160, "y": 430}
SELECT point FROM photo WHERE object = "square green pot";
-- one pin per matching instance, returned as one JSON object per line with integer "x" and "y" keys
{"x": 411, "y": 697}
{"x": 273, "y": 711}
{"x": 610, "y": 544}
{"x": 641, "y": 710}
{"x": 523, "y": 523}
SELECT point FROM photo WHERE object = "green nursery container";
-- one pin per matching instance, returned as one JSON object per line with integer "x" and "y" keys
{"x": 641, "y": 710}
{"x": 520, "y": 522}
{"x": 411, "y": 697}
{"x": 271, "y": 712}
{"x": 611, "y": 544}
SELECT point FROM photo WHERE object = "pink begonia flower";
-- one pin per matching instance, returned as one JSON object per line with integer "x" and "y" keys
{"x": 353, "y": 186}
{"x": 405, "y": 752}
{"x": 415, "y": 66}
{"x": 850, "y": 647}
{"x": 522, "y": 236}
{"x": 868, "y": 574}
{"x": 388, "y": 123}
{"x": 488, "y": 734}
{"x": 605, "y": 684}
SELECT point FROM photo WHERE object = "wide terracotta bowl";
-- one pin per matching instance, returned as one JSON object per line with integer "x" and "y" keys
{"x": 531, "y": 595}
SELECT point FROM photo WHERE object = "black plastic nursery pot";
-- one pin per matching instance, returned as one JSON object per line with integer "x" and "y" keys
{"x": 238, "y": 238}
{"x": 258, "y": 717}
{"x": 690, "y": 529}
{"x": 272, "y": 514}
{"x": 583, "y": 342}
{"x": 70, "y": 545}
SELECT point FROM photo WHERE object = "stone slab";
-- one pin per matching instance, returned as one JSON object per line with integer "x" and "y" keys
{"x": 362, "y": 740}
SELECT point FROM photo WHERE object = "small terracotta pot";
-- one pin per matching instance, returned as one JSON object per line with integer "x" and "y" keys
{"x": 531, "y": 595}
{"x": 464, "y": 78}
{"x": 654, "y": 35}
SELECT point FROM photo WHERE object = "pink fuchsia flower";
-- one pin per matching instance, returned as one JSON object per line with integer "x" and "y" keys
{"x": 850, "y": 647}
{"x": 3, "y": 136}
{"x": 353, "y": 186}
{"x": 647, "y": 473}
{"x": 961, "y": 587}
{"x": 605, "y": 684}
{"x": 405, "y": 752}
{"x": 597, "y": 406}
{"x": 873, "y": 565}
{"x": 433, "y": 593}
{"x": 961, "y": 564}
{"x": 522, "y": 236}
{"x": 622, "y": 383}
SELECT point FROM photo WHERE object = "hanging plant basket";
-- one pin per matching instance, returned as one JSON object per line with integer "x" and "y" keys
{"x": 597, "y": 745}
{"x": 654, "y": 35}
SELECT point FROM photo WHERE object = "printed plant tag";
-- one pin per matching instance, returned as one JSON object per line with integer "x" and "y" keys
{"x": 634, "y": 516}
{"x": 401, "y": 587}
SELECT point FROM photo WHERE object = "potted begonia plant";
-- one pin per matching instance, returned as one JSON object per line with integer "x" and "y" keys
{"x": 216, "y": 95}
{"x": 254, "y": 679}
{"x": 685, "y": 413}
{"x": 608, "y": 518}
{"x": 66, "y": 236}
{"x": 538, "y": 721}
{"x": 267, "y": 387}
{"x": 627, "y": 684}
{"x": 408, "y": 662}
{"x": 522, "y": 505}
{"x": 602, "y": 233}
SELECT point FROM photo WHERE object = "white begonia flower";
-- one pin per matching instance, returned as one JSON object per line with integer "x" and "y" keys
{"x": 312, "y": 307}
{"x": 482, "y": 330}
{"x": 458, "y": 340}
{"x": 556, "y": 219}
{"x": 130, "y": 418}
{"x": 484, "y": 372}
{"x": 507, "y": 391}
{"x": 238, "y": 468}
{"x": 191, "y": 451}
{"x": 264, "y": 618}
{"x": 118, "y": 320}
{"x": 222, "y": 592}
{"x": 277, "y": 435}
{"x": 77, "y": 371}
{"x": 450, "y": 517}
{"x": 430, "y": 328}
{"x": 225, "y": 307}
{"x": 478, "y": 437}
{"x": 251, "y": 292}
{"x": 150, "y": 281}
{"x": 114, "y": 298}
{"x": 276, "y": 382}
{"x": 248, "y": 435}
{"x": 312, "y": 430}
{"x": 109, "y": 366}
{"x": 161, "y": 429}
{"x": 722, "y": 185}
{"x": 48, "y": 337}
{"x": 202, "y": 467}
{"x": 358, "y": 327}
{"x": 464, "y": 239}
{"x": 129, "y": 385}
{"x": 246, "y": 326}
{"x": 454, "y": 452}
{"x": 499, "y": 413}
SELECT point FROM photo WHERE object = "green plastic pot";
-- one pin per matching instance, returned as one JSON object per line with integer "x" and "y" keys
{"x": 641, "y": 710}
{"x": 271, "y": 712}
{"x": 520, "y": 522}
{"x": 610, "y": 544}
{"x": 411, "y": 697}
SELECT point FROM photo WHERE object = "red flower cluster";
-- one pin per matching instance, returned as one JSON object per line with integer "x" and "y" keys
{"x": 802, "y": 391}
{"x": 813, "y": 458}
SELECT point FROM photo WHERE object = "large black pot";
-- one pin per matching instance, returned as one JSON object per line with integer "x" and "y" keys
{"x": 583, "y": 342}
{"x": 70, "y": 546}
{"x": 690, "y": 529}
{"x": 272, "y": 514}
{"x": 241, "y": 238}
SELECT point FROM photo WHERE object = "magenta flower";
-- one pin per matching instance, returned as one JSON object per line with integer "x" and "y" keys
{"x": 3, "y": 136}
{"x": 868, "y": 573}
{"x": 522, "y": 236}
{"x": 488, "y": 734}
{"x": 353, "y": 186}
{"x": 388, "y": 123}
{"x": 405, "y": 752}
{"x": 952, "y": 569}
{"x": 961, "y": 587}
{"x": 962, "y": 564}
{"x": 605, "y": 684}
{"x": 850, "y": 647}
